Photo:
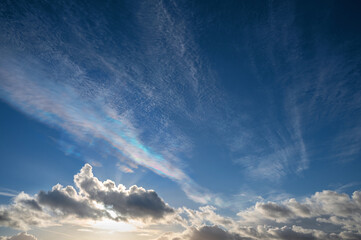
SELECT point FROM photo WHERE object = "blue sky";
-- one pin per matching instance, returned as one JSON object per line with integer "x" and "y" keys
{"x": 221, "y": 108}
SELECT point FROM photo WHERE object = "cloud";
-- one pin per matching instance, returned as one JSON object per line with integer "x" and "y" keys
{"x": 82, "y": 117}
{"x": 214, "y": 233}
{"x": 109, "y": 96}
{"x": 28, "y": 201}
{"x": 7, "y": 194}
{"x": 207, "y": 214}
{"x": 66, "y": 201}
{"x": 65, "y": 107}
{"x": 303, "y": 97}
{"x": 326, "y": 206}
{"x": 20, "y": 236}
{"x": 325, "y": 215}
{"x": 24, "y": 212}
{"x": 308, "y": 219}
{"x": 136, "y": 202}
{"x": 202, "y": 233}
{"x": 124, "y": 168}
{"x": 95, "y": 200}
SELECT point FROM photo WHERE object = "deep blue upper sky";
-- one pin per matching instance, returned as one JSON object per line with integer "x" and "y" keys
{"x": 229, "y": 100}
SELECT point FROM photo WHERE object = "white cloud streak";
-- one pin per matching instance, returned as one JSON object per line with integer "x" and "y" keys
{"x": 126, "y": 105}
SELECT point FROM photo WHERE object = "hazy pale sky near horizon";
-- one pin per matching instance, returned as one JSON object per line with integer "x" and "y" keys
{"x": 194, "y": 120}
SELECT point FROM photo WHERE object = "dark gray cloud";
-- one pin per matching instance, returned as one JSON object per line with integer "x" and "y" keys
{"x": 289, "y": 233}
{"x": 31, "y": 203}
{"x": 274, "y": 210}
{"x": 68, "y": 203}
{"x": 136, "y": 202}
{"x": 5, "y": 219}
{"x": 94, "y": 200}
{"x": 214, "y": 233}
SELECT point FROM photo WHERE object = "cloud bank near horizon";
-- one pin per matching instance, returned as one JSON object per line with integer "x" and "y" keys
{"x": 324, "y": 215}
{"x": 20, "y": 236}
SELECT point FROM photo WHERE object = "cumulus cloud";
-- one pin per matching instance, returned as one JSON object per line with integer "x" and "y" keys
{"x": 20, "y": 236}
{"x": 66, "y": 201}
{"x": 136, "y": 202}
{"x": 325, "y": 215}
{"x": 259, "y": 232}
{"x": 207, "y": 214}
{"x": 214, "y": 233}
{"x": 24, "y": 212}
{"x": 202, "y": 233}
{"x": 322, "y": 207}
{"x": 95, "y": 200}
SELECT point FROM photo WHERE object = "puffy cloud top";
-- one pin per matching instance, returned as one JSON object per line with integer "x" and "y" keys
{"x": 326, "y": 215}
{"x": 136, "y": 202}
{"x": 95, "y": 200}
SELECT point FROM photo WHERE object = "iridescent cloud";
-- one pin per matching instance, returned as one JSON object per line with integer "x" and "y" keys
{"x": 64, "y": 106}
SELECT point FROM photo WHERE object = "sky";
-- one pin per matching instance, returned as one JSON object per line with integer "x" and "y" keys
{"x": 180, "y": 120}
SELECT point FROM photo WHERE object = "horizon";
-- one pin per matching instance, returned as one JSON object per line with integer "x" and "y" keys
{"x": 180, "y": 120}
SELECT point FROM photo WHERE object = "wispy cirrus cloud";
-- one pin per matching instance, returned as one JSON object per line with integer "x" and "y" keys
{"x": 97, "y": 94}
{"x": 8, "y": 192}
{"x": 305, "y": 95}
{"x": 62, "y": 106}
